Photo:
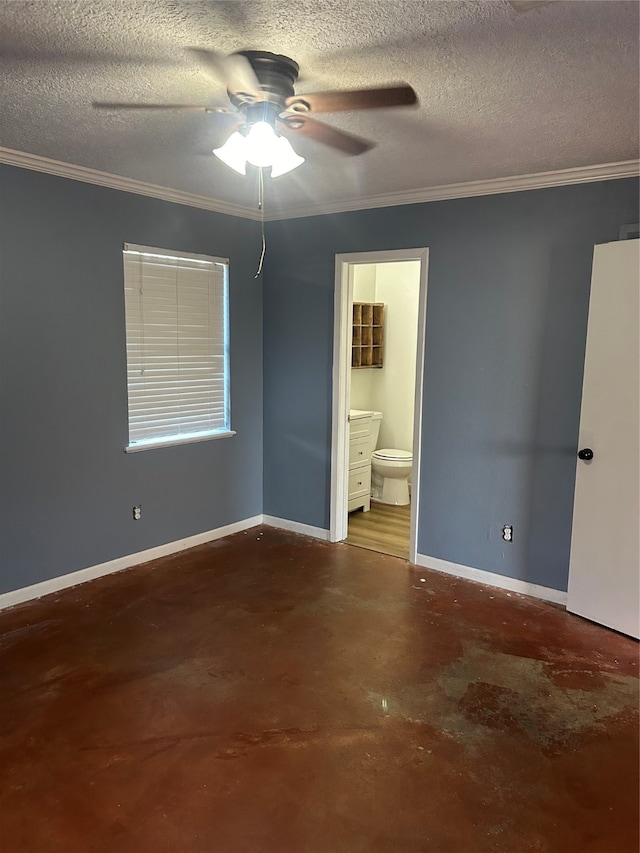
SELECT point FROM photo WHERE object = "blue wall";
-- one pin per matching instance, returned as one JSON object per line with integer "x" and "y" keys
{"x": 508, "y": 299}
{"x": 509, "y": 279}
{"x": 66, "y": 486}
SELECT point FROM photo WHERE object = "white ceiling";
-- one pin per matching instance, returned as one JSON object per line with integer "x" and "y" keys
{"x": 501, "y": 93}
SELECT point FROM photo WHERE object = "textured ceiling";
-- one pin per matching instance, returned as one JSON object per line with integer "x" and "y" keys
{"x": 501, "y": 93}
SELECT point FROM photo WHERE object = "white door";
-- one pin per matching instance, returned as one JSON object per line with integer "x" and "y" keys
{"x": 604, "y": 567}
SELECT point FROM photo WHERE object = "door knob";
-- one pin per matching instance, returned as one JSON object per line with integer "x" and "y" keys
{"x": 585, "y": 454}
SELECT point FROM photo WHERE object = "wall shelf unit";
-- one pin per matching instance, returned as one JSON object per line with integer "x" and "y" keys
{"x": 367, "y": 349}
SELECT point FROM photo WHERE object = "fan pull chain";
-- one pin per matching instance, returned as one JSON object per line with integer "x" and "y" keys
{"x": 261, "y": 209}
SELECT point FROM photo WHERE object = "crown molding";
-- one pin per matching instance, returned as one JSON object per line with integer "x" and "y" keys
{"x": 493, "y": 186}
{"x": 118, "y": 182}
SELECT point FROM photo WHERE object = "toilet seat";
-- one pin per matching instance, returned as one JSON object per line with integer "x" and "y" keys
{"x": 392, "y": 454}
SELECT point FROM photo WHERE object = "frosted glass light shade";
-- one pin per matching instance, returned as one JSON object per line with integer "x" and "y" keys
{"x": 233, "y": 153}
{"x": 261, "y": 144}
{"x": 261, "y": 147}
{"x": 285, "y": 158}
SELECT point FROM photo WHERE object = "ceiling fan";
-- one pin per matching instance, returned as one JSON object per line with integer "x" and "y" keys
{"x": 261, "y": 88}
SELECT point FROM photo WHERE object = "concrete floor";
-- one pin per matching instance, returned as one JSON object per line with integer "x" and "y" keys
{"x": 272, "y": 693}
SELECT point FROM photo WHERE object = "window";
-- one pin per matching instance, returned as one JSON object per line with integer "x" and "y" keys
{"x": 177, "y": 346}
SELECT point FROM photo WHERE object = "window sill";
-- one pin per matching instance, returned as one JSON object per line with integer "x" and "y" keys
{"x": 171, "y": 442}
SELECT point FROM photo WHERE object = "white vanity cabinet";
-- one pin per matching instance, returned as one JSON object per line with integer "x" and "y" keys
{"x": 359, "y": 460}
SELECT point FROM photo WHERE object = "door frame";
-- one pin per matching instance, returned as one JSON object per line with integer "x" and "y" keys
{"x": 342, "y": 322}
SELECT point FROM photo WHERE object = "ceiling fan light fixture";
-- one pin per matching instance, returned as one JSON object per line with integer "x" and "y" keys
{"x": 261, "y": 143}
{"x": 261, "y": 147}
{"x": 285, "y": 158}
{"x": 234, "y": 153}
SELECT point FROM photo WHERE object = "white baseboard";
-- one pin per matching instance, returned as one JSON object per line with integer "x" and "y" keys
{"x": 492, "y": 579}
{"x": 37, "y": 590}
{"x": 297, "y": 527}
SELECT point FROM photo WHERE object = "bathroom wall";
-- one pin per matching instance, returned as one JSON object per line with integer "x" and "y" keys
{"x": 364, "y": 290}
{"x": 390, "y": 390}
{"x": 364, "y": 282}
{"x": 398, "y": 286}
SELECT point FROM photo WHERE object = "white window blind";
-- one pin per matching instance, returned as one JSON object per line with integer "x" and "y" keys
{"x": 177, "y": 346}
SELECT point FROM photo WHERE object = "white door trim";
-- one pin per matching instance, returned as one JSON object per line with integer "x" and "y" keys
{"x": 343, "y": 302}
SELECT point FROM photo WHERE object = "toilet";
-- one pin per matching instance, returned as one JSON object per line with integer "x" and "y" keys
{"x": 390, "y": 471}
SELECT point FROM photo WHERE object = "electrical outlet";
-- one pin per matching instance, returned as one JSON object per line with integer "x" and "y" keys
{"x": 507, "y": 533}
{"x": 137, "y": 513}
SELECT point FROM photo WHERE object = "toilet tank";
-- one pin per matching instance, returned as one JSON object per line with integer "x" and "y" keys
{"x": 376, "y": 419}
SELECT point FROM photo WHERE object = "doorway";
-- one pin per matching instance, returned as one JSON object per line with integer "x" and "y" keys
{"x": 360, "y": 274}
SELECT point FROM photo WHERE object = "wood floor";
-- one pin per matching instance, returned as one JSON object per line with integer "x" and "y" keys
{"x": 384, "y": 528}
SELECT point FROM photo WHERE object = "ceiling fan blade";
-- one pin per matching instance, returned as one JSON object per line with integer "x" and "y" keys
{"x": 309, "y": 127}
{"x": 112, "y": 105}
{"x": 211, "y": 63}
{"x": 528, "y": 5}
{"x": 240, "y": 75}
{"x": 358, "y": 99}
{"x": 234, "y": 71}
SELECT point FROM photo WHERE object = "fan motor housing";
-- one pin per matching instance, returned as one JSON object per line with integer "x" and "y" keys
{"x": 276, "y": 74}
